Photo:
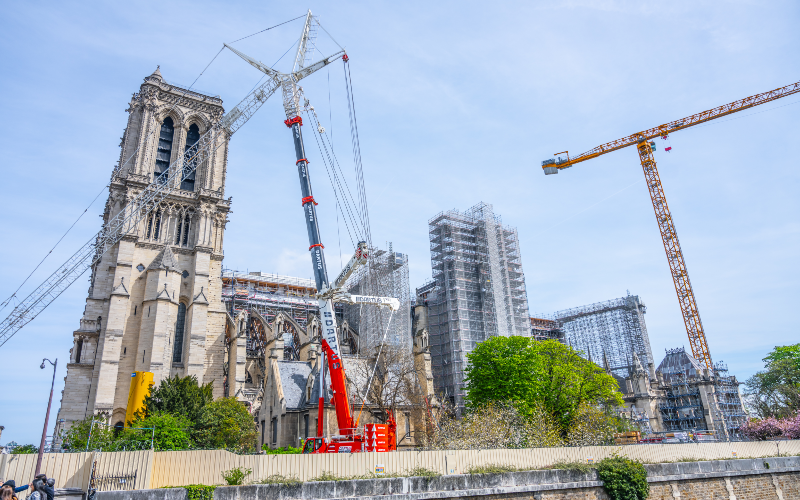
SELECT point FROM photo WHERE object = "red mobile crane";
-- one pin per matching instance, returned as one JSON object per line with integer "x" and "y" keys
{"x": 376, "y": 437}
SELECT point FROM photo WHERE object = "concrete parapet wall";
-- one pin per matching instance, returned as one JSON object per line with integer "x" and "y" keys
{"x": 179, "y": 468}
{"x": 756, "y": 479}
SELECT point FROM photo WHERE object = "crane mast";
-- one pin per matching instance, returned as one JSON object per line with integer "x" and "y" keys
{"x": 666, "y": 226}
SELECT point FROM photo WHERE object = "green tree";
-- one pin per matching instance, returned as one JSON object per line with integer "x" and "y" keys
{"x": 25, "y": 449}
{"x": 529, "y": 372}
{"x": 225, "y": 423}
{"x": 775, "y": 391}
{"x": 170, "y": 432}
{"x": 179, "y": 396}
{"x": 78, "y": 435}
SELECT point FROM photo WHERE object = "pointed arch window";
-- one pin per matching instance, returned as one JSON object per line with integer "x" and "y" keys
{"x": 187, "y": 184}
{"x": 154, "y": 225}
{"x": 177, "y": 351}
{"x": 78, "y": 350}
{"x": 182, "y": 233}
{"x": 164, "y": 150}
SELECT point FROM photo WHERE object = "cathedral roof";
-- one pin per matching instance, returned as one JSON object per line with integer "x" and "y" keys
{"x": 294, "y": 376}
{"x": 164, "y": 260}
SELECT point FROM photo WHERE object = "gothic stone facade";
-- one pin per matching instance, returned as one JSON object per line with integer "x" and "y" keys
{"x": 154, "y": 302}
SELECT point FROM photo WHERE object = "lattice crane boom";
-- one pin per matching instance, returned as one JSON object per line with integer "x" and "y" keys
{"x": 138, "y": 209}
{"x": 666, "y": 226}
{"x": 673, "y": 126}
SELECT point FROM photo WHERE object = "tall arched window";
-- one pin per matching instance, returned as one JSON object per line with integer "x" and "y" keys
{"x": 192, "y": 137}
{"x": 186, "y": 221}
{"x": 177, "y": 351}
{"x": 78, "y": 349}
{"x": 154, "y": 225}
{"x": 182, "y": 233}
{"x": 164, "y": 150}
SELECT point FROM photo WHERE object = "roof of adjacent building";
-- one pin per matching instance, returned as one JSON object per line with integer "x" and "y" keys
{"x": 294, "y": 376}
{"x": 679, "y": 361}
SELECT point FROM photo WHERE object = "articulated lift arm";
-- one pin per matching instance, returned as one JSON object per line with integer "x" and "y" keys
{"x": 669, "y": 236}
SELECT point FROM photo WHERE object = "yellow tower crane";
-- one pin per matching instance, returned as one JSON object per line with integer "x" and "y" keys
{"x": 680, "y": 276}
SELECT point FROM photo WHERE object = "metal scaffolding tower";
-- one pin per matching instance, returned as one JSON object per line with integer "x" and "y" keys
{"x": 614, "y": 329}
{"x": 479, "y": 290}
{"x": 384, "y": 275}
{"x": 728, "y": 399}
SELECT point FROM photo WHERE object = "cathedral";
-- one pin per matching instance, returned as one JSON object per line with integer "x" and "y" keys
{"x": 154, "y": 302}
{"x": 159, "y": 301}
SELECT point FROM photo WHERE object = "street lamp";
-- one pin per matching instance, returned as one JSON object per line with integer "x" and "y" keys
{"x": 47, "y": 415}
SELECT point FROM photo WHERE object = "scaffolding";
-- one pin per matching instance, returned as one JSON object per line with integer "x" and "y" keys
{"x": 478, "y": 291}
{"x": 614, "y": 330}
{"x": 729, "y": 399}
{"x": 269, "y": 294}
{"x": 384, "y": 275}
{"x": 692, "y": 394}
{"x": 547, "y": 329}
{"x": 682, "y": 409}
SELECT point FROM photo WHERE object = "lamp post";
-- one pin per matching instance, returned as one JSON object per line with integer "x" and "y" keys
{"x": 46, "y": 417}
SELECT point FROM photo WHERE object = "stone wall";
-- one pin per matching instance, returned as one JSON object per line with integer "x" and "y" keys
{"x": 775, "y": 478}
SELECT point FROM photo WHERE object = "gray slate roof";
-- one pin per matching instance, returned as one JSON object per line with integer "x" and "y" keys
{"x": 294, "y": 375}
{"x": 165, "y": 259}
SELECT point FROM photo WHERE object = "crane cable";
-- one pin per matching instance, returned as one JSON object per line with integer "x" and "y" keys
{"x": 333, "y": 175}
{"x": 351, "y": 107}
{"x": 374, "y": 369}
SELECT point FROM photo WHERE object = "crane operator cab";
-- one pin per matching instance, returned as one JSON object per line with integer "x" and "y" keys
{"x": 312, "y": 445}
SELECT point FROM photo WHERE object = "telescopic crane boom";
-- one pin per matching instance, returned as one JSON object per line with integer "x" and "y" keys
{"x": 669, "y": 236}
{"x": 348, "y": 440}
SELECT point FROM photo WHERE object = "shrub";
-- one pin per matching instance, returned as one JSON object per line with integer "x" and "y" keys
{"x": 288, "y": 450}
{"x": 24, "y": 449}
{"x": 422, "y": 472}
{"x": 763, "y": 430}
{"x": 491, "y": 469}
{"x": 792, "y": 427}
{"x": 171, "y": 432}
{"x": 280, "y": 479}
{"x": 199, "y": 492}
{"x": 235, "y": 476}
{"x": 591, "y": 426}
{"x": 623, "y": 478}
{"x": 225, "y": 423}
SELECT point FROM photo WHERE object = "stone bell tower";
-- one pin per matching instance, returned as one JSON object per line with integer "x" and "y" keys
{"x": 154, "y": 303}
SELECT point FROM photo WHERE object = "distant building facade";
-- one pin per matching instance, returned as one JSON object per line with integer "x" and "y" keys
{"x": 478, "y": 290}
{"x": 613, "y": 330}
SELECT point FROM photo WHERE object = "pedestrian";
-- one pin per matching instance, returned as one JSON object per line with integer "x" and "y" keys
{"x": 47, "y": 488}
{"x": 14, "y": 487}
{"x": 7, "y": 493}
{"x": 37, "y": 491}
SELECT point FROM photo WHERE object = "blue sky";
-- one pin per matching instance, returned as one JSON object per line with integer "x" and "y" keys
{"x": 458, "y": 102}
